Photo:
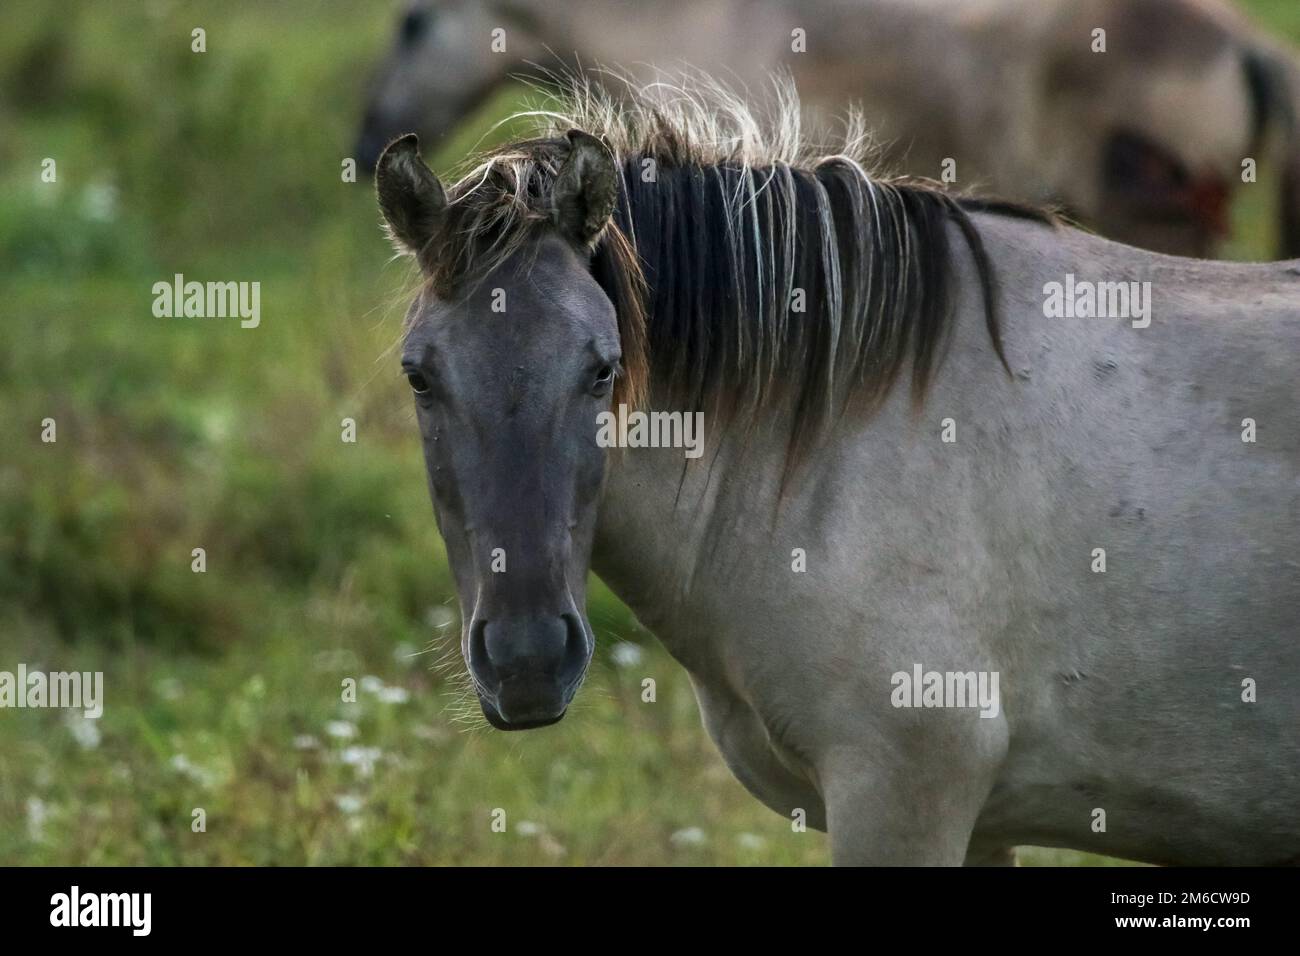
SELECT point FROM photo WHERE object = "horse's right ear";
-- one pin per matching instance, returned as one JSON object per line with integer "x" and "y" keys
{"x": 410, "y": 196}
{"x": 586, "y": 189}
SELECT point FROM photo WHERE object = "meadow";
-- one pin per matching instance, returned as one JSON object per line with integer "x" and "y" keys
{"x": 224, "y": 690}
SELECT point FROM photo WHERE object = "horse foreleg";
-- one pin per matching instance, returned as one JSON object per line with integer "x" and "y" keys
{"x": 920, "y": 812}
{"x": 990, "y": 856}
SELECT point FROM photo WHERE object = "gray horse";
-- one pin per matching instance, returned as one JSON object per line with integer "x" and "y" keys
{"x": 995, "y": 539}
{"x": 1144, "y": 141}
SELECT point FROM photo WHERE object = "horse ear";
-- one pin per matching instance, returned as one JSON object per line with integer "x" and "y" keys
{"x": 585, "y": 190}
{"x": 410, "y": 196}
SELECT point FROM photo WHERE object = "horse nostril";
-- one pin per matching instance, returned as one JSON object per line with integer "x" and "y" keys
{"x": 480, "y": 661}
{"x": 577, "y": 652}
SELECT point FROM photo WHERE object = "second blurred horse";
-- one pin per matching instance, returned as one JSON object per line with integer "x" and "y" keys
{"x": 1144, "y": 141}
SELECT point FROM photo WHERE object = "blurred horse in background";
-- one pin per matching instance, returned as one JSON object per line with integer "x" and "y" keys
{"x": 1143, "y": 142}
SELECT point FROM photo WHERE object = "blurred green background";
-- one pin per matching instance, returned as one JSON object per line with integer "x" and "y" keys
{"x": 323, "y": 561}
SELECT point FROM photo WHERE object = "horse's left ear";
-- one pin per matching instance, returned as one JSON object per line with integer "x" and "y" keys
{"x": 585, "y": 190}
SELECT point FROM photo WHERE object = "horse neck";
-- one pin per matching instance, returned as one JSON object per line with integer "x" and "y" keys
{"x": 673, "y": 532}
{"x": 672, "y": 529}
{"x": 747, "y": 39}
{"x": 671, "y": 32}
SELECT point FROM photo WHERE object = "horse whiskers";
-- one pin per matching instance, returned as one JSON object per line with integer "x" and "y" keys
{"x": 448, "y": 663}
{"x": 462, "y": 708}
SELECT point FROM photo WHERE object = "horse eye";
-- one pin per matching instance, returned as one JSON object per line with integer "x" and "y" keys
{"x": 604, "y": 376}
{"x": 419, "y": 384}
{"x": 413, "y": 25}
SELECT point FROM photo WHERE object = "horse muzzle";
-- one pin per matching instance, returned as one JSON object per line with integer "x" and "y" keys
{"x": 527, "y": 670}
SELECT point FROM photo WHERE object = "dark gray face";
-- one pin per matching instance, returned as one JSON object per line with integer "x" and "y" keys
{"x": 507, "y": 404}
{"x": 509, "y": 377}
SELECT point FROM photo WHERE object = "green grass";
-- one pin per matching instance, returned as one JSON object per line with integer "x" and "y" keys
{"x": 323, "y": 562}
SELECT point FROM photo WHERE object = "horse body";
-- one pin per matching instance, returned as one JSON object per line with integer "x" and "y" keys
{"x": 1121, "y": 690}
{"x": 1094, "y": 517}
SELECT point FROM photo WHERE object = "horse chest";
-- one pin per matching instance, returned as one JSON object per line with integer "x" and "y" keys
{"x": 757, "y": 749}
